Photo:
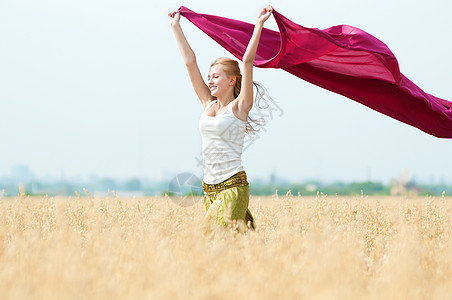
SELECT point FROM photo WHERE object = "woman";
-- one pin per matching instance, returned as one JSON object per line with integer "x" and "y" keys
{"x": 227, "y": 99}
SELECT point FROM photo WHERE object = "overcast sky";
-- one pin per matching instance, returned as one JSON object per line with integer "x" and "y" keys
{"x": 99, "y": 87}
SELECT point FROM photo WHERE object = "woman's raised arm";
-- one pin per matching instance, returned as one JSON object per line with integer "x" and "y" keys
{"x": 245, "y": 98}
{"x": 200, "y": 87}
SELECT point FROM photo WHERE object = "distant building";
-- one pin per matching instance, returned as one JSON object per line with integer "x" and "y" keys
{"x": 21, "y": 173}
{"x": 403, "y": 186}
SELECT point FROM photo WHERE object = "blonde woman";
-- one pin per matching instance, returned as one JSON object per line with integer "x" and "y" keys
{"x": 227, "y": 99}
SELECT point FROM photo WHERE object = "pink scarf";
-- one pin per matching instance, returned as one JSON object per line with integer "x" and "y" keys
{"x": 342, "y": 59}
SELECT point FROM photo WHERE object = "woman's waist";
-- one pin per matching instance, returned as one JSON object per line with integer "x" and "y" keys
{"x": 238, "y": 179}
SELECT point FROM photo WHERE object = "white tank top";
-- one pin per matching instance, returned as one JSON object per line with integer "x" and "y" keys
{"x": 222, "y": 144}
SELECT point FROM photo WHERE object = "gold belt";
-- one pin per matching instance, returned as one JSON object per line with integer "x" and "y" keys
{"x": 238, "y": 179}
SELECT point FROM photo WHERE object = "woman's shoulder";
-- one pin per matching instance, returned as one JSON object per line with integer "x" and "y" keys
{"x": 209, "y": 103}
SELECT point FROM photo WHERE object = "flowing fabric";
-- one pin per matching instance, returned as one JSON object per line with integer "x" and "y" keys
{"x": 343, "y": 59}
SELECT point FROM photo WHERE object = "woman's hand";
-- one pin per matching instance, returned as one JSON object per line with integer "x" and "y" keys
{"x": 264, "y": 14}
{"x": 174, "y": 18}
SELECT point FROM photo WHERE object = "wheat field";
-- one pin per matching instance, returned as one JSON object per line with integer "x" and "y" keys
{"x": 320, "y": 247}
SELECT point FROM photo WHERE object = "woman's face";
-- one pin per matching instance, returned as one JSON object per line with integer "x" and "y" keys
{"x": 218, "y": 82}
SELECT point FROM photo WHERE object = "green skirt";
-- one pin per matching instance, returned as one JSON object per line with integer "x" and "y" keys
{"x": 227, "y": 202}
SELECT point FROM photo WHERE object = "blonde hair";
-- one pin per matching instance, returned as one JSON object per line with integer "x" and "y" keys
{"x": 232, "y": 69}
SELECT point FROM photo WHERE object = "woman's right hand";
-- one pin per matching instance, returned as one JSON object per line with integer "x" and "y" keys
{"x": 264, "y": 14}
{"x": 174, "y": 18}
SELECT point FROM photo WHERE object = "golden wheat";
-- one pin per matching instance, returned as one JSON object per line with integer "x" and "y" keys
{"x": 150, "y": 248}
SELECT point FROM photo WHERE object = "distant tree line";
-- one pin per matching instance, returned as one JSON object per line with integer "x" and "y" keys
{"x": 348, "y": 189}
{"x": 135, "y": 186}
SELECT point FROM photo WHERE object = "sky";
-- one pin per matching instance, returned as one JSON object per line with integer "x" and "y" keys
{"x": 99, "y": 87}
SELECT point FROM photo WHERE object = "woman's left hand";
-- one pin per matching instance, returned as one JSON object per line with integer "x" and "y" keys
{"x": 264, "y": 14}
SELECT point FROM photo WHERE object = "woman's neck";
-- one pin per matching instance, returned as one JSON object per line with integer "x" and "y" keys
{"x": 225, "y": 100}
